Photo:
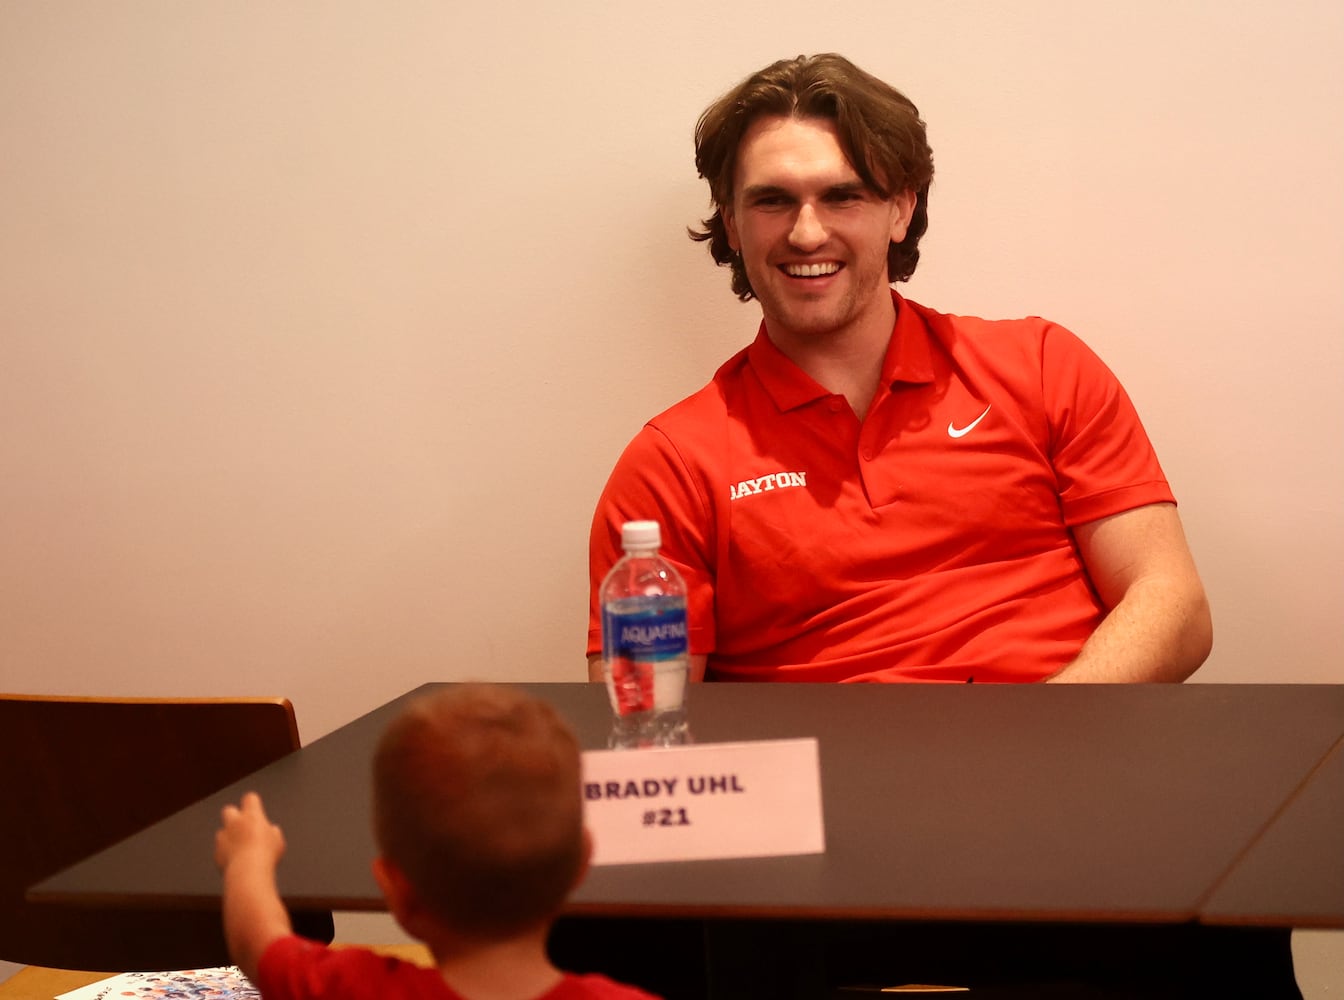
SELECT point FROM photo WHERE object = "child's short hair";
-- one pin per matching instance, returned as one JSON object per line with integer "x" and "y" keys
{"x": 477, "y": 801}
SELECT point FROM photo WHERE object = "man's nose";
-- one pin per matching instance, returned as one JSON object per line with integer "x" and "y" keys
{"x": 808, "y": 233}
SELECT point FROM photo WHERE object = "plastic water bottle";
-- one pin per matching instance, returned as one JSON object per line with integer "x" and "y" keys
{"x": 644, "y": 642}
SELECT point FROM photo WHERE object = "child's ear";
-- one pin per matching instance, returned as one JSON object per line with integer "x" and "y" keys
{"x": 402, "y": 901}
{"x": 391, "y": 882}
{"x": 587, "y": 858}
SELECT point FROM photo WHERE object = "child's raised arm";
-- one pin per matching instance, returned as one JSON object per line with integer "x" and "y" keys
{"x": 248, "y": 847}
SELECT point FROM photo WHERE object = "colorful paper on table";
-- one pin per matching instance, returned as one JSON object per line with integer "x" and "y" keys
{"x": 222, "y": 983}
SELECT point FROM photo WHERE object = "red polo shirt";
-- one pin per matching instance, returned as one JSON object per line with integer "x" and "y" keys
{"x": 931, "y": 541}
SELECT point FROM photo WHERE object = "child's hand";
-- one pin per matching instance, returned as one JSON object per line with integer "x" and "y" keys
{"x": 247, "y": 849}
{"x": 247, "y": 832}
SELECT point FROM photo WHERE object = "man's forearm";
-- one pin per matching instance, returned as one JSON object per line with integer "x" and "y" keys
{"x": 1160, "y": 631}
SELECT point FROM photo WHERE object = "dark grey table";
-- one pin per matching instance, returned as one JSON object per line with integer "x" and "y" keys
{"x": 1066, "y": 806}
{"x": 1293, "y": 873}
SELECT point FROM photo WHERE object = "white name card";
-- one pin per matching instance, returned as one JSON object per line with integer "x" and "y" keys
{"x": 713, "y": 800}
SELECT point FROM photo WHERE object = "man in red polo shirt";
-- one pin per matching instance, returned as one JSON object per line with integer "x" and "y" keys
{"x": 874, "y": 491}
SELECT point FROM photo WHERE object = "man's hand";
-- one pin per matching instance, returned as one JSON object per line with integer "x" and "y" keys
{"x": 247, "y": 833}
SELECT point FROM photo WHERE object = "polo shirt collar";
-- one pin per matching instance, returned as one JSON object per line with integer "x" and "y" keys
{"x": 909, "y": 360}
{"x": 909, "y": 357}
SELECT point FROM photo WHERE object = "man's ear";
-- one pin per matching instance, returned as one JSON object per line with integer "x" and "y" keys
{"x": 730, "y": 227}
{"x": 902, "y": 211}
{"x": 402, "y": 901}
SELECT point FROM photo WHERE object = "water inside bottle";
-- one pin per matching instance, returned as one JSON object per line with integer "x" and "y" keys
{"x": 662, "y": 724}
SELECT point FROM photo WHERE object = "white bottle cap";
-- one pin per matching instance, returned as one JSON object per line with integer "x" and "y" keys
{"x": 641, "y": 535}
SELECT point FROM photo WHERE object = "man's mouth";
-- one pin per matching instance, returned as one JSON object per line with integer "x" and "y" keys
{"x": 819, "y": 270}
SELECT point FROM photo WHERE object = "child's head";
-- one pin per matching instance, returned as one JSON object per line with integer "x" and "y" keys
{"x": 477, "y": 807}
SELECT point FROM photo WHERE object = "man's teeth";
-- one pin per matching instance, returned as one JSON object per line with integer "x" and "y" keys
{"x": 810, "y": 270}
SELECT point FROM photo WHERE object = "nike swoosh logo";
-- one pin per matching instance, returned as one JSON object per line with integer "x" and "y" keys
{"x": 955, "y": 432}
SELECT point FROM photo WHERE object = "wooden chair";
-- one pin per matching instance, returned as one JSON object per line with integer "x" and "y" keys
{"x": 79, "y": 774}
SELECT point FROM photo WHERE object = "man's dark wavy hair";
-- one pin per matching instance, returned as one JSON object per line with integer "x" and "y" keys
{"x": 879, "y": 128}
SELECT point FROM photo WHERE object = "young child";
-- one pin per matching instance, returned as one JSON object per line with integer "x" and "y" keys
{"x": 479, "y": 825}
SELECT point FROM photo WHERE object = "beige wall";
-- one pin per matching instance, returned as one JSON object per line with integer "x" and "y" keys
{"x": 323, "y": 323}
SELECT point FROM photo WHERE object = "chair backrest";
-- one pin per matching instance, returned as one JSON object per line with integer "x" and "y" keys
{"x": 79, "y": 774}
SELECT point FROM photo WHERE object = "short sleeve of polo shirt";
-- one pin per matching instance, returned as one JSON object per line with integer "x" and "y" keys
{"x": 1103, "y": 460}
{"x": 293, "y": 968}
{"x": 651, "y": 481}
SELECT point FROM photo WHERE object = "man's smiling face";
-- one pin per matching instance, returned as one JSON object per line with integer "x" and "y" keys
{"x": 813, "y": 237}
